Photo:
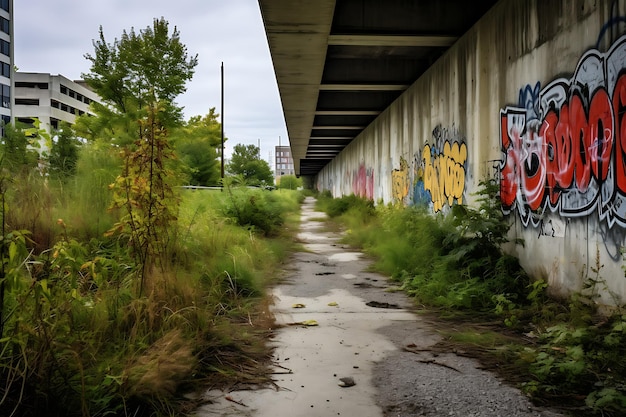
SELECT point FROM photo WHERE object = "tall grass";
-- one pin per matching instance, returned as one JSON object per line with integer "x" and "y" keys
{"x": 450, "y": 261}
{"x": 77, "y": 338}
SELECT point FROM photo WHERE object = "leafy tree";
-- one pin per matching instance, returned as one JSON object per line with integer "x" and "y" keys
{"x": 64, "y": 152}
{"x": 141, "y": 69}
{"x": 246, "y": 160}
{"x": 196, "y": 145}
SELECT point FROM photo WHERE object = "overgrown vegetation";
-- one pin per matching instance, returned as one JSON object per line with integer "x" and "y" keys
{"x": 119, "y": 290}
{"x": 80, "y": 339}
{"x": 563, "y": 352}
{"x": 289, "y": 182}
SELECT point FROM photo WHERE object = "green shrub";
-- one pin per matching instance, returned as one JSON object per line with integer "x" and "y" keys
{"x": 335, "y": 207}
{"x": 452, "y": 261}
{"x": 257, "y": 210}
{"x": 289, "y": 182}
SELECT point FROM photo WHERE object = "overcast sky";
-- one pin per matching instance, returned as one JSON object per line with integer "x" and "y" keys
{"x": 54, "y": 36}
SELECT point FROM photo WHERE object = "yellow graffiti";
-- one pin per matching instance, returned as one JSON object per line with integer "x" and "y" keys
{"x": 444, "y": 174}
{"x": 400, "y": 181}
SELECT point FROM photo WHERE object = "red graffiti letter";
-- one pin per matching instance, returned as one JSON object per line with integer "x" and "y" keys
{"x": 581, "y": 143}
{"x": 509, "y": 175}
{"x": 601, "y": 129}
{"x": 619, "y": 107}
{"x": 547, "y": 131}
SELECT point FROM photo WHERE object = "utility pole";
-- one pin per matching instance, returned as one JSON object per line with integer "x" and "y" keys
{"x": 222, "y": 122}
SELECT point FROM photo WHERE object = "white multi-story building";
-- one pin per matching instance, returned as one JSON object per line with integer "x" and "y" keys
{"x": 6, "y": 60}
{"x": 50, "y": 98}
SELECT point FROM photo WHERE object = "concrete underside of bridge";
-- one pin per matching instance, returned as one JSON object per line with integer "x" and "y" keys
{"x": 340, "y": 63}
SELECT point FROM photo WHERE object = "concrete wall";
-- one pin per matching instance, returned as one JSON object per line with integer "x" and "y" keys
{"x": 534, "y": 95}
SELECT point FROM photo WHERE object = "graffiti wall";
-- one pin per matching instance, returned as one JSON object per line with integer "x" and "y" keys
{"x": 564, "y": 145}
{"x": 443, "y": 168}
{"x": 539, "y": 88}
{"x": 400, "y": 181}
{"x": 438, "y": 175}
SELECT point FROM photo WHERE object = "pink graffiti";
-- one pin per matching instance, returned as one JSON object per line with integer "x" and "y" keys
{"x": 363, "y": 182}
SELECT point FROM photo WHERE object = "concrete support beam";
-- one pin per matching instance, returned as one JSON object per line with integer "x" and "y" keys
{"x": 391, "y": 40}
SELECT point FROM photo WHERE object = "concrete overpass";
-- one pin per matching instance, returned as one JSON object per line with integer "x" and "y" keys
{"x": 340, "y": 63}
{"x": 414, "y": 102}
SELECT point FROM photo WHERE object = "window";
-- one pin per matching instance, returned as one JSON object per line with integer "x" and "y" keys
{"x": 23, "y": 84}
{"x": 29, "y": 121}
{"x": 5, "y": 25}
{"x": 5, "y": 121}
{"x": 5, "y": 5}
{"x": 6, "y": 70}
{"x": 63, "y": 89}
{"x": 6, "y": 96}
{"x": 5, "y": 47}
{"x": 27, "y": 101}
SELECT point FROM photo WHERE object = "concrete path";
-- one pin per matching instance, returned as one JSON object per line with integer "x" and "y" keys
{"x": 330, "y": 333}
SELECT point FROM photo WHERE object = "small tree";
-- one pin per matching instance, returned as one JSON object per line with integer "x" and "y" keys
{"x": 64, "y": 152}
{"x": 17, "y": 149}
{"x": 139, "y": 77}
{"x": 289, "y": 182}
{"x": 246, "y": 160}
{"x": 196, "y": 145}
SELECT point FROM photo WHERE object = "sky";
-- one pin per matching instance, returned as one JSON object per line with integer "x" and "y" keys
{"x": 54, "y": 36}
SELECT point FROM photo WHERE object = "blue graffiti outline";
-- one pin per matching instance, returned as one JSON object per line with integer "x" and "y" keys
{"x": 529, "y": 100}
{"x": 613, "y": 21}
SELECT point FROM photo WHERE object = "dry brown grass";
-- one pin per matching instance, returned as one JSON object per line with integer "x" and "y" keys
{"x": 158, "y": 372}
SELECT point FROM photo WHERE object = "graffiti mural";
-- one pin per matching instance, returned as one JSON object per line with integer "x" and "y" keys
{"x": 443, "y": 168}
{"x": 400, "y": 181}
{"x": 564, "y": 145}
{"x": 363, "y": 182}
{"x": 420, "y": 197}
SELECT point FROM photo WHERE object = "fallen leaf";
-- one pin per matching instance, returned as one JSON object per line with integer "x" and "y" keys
{"x": 231, "y": 399}
{"x": 332, "y": 304}
{"x": 347, "y": 382}
{"x": 298, "y": 305}
{"x": 309, "y": 323}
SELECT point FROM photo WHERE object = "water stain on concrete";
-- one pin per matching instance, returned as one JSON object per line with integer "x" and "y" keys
{"x": 345, "y": 256}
